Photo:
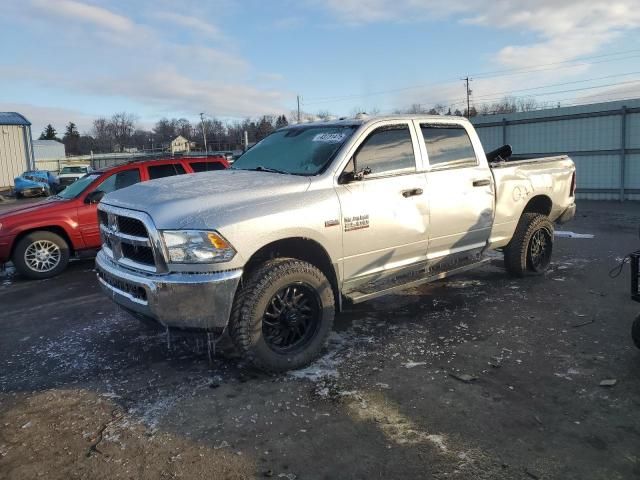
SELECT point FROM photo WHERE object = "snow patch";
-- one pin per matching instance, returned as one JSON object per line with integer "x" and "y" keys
{"x": 567, "y": 234}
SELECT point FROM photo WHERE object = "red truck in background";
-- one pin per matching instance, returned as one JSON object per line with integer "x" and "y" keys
{"x": 40, "y": 238}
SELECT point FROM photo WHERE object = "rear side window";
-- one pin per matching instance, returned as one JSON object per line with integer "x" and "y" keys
{"x": 206, "y": 166}
{"x": 166, "y": 170}
{"x": 120, "y": 180}
{"x": 448, "y": 146}
{"x": 388, "y": 150}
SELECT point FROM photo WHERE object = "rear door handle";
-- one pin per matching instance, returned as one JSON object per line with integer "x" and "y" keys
{"x": 412, "y": 192}
{"x": 481, "y": 183}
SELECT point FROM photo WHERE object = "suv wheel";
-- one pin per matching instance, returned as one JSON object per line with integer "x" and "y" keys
{"x": 283, "y": 314}
{"x": 41, "y": 255}
{"x": 529, "y": 251}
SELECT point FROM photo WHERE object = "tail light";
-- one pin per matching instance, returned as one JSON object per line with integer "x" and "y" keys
{"x": 573, "y": 185}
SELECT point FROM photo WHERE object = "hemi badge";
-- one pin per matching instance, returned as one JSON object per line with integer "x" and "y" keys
{"x": 331, "y": 223}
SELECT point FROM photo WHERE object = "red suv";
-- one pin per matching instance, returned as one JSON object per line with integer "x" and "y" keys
{"x": 41, "y": 237}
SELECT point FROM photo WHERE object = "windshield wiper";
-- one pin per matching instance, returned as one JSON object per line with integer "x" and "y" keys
{"x": 260, "y": 168}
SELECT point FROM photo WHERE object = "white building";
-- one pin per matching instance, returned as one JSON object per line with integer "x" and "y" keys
{"x": 180, "y": 144}
{"x": 48, "y": 150}
{"x": 16, "y": 147}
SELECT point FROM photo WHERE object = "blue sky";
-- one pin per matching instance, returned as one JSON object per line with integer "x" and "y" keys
{"x": 74, "y": 60}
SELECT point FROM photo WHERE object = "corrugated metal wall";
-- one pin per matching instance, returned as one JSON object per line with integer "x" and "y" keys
{"x": 603, "y": 139}
{"x": 15, "y": 152}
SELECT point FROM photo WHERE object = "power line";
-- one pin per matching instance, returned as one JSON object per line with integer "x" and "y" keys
{"x": 507, "y": 92}
{"x": 491, "y": 74}
{"x": 565, "y": 62}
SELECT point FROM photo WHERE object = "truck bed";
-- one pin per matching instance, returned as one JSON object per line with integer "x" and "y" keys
{"x": 518, "y": 181}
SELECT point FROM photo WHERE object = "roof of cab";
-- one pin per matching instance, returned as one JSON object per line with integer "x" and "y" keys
{"x": 365, "y": 119}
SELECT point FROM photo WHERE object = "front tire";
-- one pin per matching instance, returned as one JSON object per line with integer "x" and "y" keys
{"x": 40, "y": 255}
{"x": 635, "y": 331}
{"x": 529, "y": 251}
{"x": 282, "y": 315}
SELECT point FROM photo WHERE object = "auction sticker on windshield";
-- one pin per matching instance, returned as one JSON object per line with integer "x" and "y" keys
{"x": 329, "y": 137}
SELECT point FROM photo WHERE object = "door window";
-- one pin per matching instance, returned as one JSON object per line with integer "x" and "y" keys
{"x": 206, "y": 166}
{"x": 166, "y": 170}
{"x": 448, "y": 146}
{"x": 119, "y": 180}
{"x": 388, "y": 150}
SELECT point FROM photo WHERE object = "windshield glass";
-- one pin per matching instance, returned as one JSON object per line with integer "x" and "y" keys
{"x": 305, "y": 150}
{"x": 73, "y": 170}
{"x": 77, "y": 187}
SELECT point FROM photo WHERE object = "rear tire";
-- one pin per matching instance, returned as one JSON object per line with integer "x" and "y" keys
{"x": 40, "y": 255}
{"x": 529, "y": 251}
{"x": 635, "y": 331}
{"x": 282, "y": 315}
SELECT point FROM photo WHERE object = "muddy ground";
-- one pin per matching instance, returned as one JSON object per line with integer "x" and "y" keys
{"x": 86, "y": 391}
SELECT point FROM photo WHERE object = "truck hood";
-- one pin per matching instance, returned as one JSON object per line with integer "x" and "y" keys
{"x": 202, "y": 200}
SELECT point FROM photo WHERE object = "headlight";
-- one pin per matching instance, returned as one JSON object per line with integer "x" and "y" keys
{"x": 196, "y": 246}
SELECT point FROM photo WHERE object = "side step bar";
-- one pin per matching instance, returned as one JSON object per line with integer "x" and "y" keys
{"x": 359, "y": 297}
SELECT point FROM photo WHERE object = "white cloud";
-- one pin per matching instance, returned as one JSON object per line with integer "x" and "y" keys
{"x": 84, "y": 12}
{"x": 189, "y": 22}
{"x": 168, "y": 89}
{"x": 356, "y": 12}
{"x": 138, "y": 64}
{"x": 40, "y": 116}
{"x": 564, "y": 29}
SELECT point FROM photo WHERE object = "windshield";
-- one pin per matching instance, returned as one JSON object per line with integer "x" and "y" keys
{"x": 73, "y": 170}
{"x": 77, "y": 187}
{"x": 298, "y": 150}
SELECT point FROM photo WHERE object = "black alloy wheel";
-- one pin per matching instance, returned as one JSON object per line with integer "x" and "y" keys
{"x": 291, "y": 318}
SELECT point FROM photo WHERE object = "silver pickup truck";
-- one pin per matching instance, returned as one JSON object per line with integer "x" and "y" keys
{"x": 318, "y": 215}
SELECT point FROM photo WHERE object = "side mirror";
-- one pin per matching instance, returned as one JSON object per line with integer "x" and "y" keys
{"x": 349, "y": 177}
{"x": 94, "y": 197}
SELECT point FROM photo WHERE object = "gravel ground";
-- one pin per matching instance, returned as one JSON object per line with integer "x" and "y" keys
{"x": 480, "y": 376}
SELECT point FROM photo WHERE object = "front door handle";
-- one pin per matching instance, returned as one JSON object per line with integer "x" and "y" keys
{"x": 481, "y": 183}
{"x": 412, "y": 192}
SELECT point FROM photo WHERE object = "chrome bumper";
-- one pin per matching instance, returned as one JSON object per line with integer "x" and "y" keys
{"x": 176, "y": 300}
{"x": 567, "y": 215}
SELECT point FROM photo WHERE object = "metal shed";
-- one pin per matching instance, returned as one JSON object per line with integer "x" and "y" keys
{"x": 16, "y": 147}
{"x": 602, "y": 138}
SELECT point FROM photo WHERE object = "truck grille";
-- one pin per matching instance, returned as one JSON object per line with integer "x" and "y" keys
{"x": 128, "y": 238}
{"x": 138, "y": 254}
{"x": 65, "y": 182}
{"x": 131, "y": 226}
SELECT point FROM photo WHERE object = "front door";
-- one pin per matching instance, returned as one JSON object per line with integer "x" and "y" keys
{"x": 385, "y": 214}
{"x": 88, "y": 213}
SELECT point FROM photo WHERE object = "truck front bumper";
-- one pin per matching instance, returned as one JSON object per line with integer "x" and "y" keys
{"x": 175, "y": 300}
{"x": 567, "y": 215}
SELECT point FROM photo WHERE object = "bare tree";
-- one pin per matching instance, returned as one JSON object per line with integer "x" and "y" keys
{"x": 324, "y": 115}
{"x": 122, "y": 126}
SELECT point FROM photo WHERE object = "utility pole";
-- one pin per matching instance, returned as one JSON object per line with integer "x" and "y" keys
{"x": 204, "y": 135}
{"x": 298, "y": 108}
{"x": 467, "y": 80}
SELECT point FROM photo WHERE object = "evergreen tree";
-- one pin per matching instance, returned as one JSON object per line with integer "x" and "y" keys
{"x": 49, "y": 133}
{"x": 281, "y": 121}
{"x": 71, "y": 139}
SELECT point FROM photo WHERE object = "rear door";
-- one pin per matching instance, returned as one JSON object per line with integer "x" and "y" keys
{"x": 165, "y": 169}
{"x": 385, "y": 215}
{"x": 206, "y": 165}
{"x": 461, "y": 190}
